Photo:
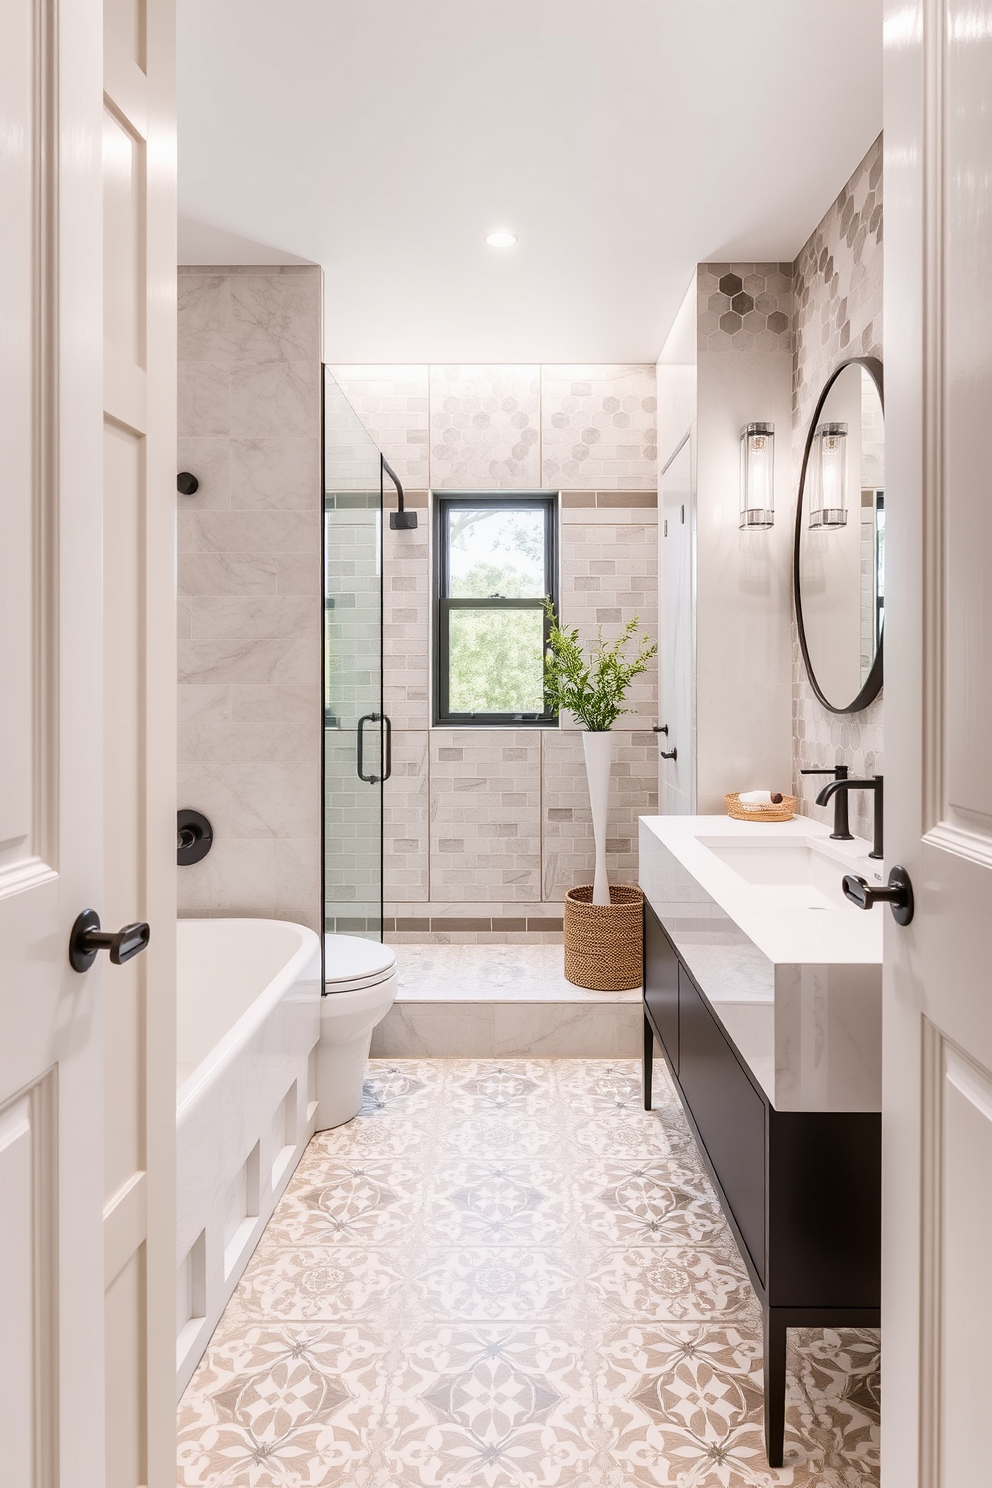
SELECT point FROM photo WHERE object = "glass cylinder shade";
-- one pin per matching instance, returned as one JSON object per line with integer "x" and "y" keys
{"x": 828, "y": 503}
{"x": 757, "y": 476}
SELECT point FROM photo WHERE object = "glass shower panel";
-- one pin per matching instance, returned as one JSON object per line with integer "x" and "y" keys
{"x": 355, "y": 733}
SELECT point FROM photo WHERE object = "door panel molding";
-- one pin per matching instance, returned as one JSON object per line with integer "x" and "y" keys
{"x": 29, "y": 556}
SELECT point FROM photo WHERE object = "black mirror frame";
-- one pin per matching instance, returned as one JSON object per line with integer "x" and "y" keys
{"x": 873, "y": 682}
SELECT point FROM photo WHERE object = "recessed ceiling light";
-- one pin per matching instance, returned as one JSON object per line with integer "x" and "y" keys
{"x": 501, "y": 239}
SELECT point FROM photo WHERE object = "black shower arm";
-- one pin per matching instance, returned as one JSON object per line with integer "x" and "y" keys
{"x": 395, "y": 480}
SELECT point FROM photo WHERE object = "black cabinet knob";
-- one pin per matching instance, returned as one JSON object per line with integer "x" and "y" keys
{"x": 187, "y": 484}
{"x": 86, "y": 938}
{"x": 898, "y": 894}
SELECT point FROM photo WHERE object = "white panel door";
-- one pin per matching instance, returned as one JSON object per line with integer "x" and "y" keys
{"x": 87, "y": 806}
{"x": 51, "y": 829}
{"x": 676, "y": 641}
{"x": 937, "y": 1026}
{"x": 139, "y": 762}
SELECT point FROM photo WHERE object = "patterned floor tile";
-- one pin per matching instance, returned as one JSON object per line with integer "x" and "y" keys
{"x": 684, "y": 1406}
{"x": 674, "y": 1283}
{"x": 319, "y": 1282}
{"x": 496, "y": 1203}
{"x": 507, "y": 1274}
{"x": 491, "y": 1406}
{"x": 334, "y": 1201}
{"x": 636, "y": 1203}
{"x": 502, "y": 1087}
{"x": 493, "y": 1283}
{"x": 295, "y": 1406}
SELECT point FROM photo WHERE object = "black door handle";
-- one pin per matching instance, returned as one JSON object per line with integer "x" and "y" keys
{"x": 387, "y": 747}
{"x": 672, "y": 753}
{"x": 898, "y": 894}
{"x": 86, "y": 938}
{"x": 367, "y": 718}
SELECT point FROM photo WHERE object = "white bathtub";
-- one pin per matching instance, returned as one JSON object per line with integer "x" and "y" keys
{"x": 248, "y": 1020}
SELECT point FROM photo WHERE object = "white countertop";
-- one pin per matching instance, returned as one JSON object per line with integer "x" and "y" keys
{"x": 798, "y": 989}
{"x": 796, "y": 936}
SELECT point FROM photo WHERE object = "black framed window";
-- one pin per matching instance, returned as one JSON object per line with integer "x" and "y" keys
{"x": 495, "y": 564}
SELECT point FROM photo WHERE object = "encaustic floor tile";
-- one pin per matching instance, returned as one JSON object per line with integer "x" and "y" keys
{"x": 507, "y": 1274}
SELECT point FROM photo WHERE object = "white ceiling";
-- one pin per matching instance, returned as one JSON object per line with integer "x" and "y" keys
{"x": 623, "y": 140}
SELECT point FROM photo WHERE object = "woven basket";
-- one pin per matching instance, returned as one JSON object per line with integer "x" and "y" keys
{"x": 784, "y": 811}
{"x": 604, "y": 944}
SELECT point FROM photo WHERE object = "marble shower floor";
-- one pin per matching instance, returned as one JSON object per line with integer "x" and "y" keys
{"x": 491, "y": 973}
{"x": 505, "y": 1274}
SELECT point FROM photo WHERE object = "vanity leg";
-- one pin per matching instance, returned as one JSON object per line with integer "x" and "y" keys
{"x": 648, "y": 1063}
{"x": 776, "y": 1330}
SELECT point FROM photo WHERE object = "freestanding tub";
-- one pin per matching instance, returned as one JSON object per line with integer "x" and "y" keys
{"x": 248, "y": 1020}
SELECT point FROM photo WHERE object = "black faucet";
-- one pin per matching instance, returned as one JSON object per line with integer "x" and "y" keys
{"x": 842, "y": 831}
{"x": 842, "y": 787}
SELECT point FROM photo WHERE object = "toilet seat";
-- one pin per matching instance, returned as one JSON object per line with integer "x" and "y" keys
{"x": 351, "y": 963}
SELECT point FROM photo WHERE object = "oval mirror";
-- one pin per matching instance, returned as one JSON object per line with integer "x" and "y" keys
{"x": 840, "y": 539}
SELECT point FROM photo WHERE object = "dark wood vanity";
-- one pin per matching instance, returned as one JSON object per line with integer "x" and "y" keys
{"x": 801, "y": 1190}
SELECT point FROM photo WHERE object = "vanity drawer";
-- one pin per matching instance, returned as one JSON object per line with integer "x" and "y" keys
{"x": 728, "y": 1112}
{"x": 661, "y": 985}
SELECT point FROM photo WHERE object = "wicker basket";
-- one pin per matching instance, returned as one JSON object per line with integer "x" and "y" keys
{"x": 784, "y": 811}
{"x": 604, "y": 944}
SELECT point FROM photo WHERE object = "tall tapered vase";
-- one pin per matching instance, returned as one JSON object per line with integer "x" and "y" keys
{"x": 598, "y": 750}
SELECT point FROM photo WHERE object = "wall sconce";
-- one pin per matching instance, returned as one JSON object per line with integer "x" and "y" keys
{"x": 828, "y": 503}
{"x": 757, "y": 476}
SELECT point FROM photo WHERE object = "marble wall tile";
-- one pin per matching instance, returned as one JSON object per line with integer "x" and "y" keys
{"x": 249, "y": 573}
{"x": 485, "y": 427}
{"x": 224, "y": 617}
{"x": 568, "y": 1030}
{"x": 436, "y": 1029}
{"x": 392, "y": 403}
{"x": 208, "y": 457}
{"x": 838, "y": 314}
{"x": 275, "y": 474}
{"x": 255, "y": 532}
{"x": 599, "y": 427}
{"x": 274, "y": 399}
{"x": 206, "y": 703}
{"x": 273, "y": 661}
{"x": 204, "y": 398}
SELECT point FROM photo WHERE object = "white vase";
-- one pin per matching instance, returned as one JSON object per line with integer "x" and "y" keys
{"x": 598, "y": 750}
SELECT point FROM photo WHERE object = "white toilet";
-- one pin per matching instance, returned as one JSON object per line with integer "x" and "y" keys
{"x": 359, "y": 989}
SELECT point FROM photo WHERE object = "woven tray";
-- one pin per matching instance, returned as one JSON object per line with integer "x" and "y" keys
{"x": 604, "y": 943}
{"x": 784, "y": 811}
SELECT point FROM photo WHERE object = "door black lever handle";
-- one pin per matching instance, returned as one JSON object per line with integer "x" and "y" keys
{"x": 671, "y": 754}
{"x": 898, "y": 894}
{"x": 86, "y": 938}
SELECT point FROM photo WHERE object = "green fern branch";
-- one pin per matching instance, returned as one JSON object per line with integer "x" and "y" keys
{"x": 592, "y": 688}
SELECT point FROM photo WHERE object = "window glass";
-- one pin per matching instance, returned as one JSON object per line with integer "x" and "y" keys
{"x": 496, "y": 552}
{"x": 496, "y": 661}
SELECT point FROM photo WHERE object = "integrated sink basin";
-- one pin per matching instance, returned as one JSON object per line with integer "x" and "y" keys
{"x": 789, "y": 874}
{"x": 790, "y": 967}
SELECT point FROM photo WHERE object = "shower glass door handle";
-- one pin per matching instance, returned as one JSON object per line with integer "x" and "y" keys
{"x": 385, "y": 748}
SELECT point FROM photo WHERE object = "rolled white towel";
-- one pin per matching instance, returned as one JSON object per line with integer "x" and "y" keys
{"x": 760, "y": 798}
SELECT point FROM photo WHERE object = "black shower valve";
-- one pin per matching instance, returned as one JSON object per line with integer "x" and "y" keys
{"x": 186, "y": 483}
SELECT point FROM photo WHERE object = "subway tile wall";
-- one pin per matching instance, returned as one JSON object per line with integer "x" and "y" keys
{"x": 249, "y": 588}
{"x": 487, "y": 828}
